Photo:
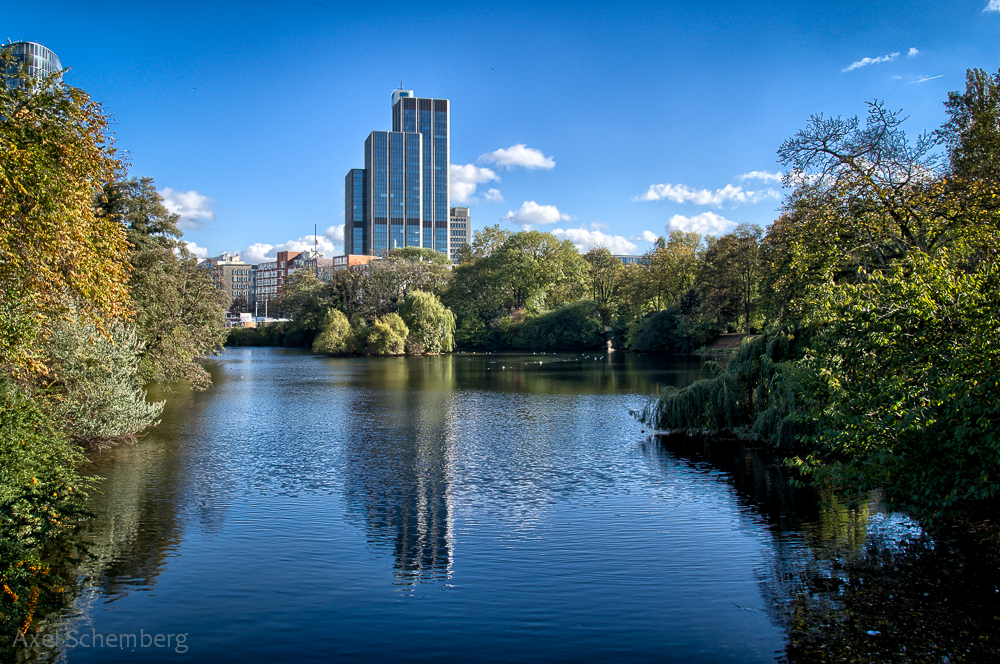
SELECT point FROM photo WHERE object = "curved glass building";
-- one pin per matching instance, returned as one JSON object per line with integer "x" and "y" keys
{"x": 41, "y": 61}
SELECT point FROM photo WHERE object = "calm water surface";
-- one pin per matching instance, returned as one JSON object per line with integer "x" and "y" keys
{"x": 456, "y": 508}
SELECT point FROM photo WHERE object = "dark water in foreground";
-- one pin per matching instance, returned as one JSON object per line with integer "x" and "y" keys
{"x": 487, "y": 508}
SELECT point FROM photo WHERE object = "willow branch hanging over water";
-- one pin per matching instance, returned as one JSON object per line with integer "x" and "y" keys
{"x": 754, "y": 397}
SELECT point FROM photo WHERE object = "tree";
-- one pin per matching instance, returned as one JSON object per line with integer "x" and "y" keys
{"x": 719, "y": 282}
{"x": 431, "y": 326}
{"x": 179, "y": 311}
{"x": 306, "y": 301}
{"x": 745, "y": 263}
{"x": 421, "y": 254}
{"x": 336, "y": 337}
{"x": 881, "y": 369}
{"x": 527, "y": 270}
{"x": 972, "y": 132}
{"x": 910, "y": 362}
{"x": 54, "y": 153}
{"x": 385, "y": 283}
{"x": 605, "y": 277}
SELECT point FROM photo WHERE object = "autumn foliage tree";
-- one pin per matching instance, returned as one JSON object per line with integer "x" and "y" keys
{"x": 55, "y": 152}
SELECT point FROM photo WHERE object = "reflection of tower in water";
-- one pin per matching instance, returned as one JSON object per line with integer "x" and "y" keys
{"x": 399, "y": 465}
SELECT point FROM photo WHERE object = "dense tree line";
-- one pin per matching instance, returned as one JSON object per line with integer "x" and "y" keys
{"x": 529, "y": 290}
{"x": 97, "y": 298}
{"x": 880, "y": 364}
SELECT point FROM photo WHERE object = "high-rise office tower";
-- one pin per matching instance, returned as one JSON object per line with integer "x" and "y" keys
{"x": 41, "y": 61}
{"x": 403, "y": 191}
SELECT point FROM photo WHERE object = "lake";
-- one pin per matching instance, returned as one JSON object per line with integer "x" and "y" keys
{"x": 466, "y": 507}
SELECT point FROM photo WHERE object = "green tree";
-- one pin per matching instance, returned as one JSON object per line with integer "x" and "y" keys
{"x": 421, "y": 254}
{"x": 387, "y": 336}
{"x": 879, "y": 367}
{"x": 385, "y": 283}
{"x": 605, "y": 278}
{"x": 336, "y": 337}
{"x": 305, "y": 300}
{"x": 527, "y": 270}
{"x": 41, "y": 503}
{"x": 972, "y": 132}
{"x": 179, "y": 311}
{"x": 431, "y": 325}
{"x": 577, "y": 325}
{"x": 747, "y": 267}
{"x": 910, "y": 362}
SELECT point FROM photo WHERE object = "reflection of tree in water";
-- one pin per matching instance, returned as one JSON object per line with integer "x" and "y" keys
{"x": 854, "y": 585}
{"x": 398, "y": 468}
{"x": 593, "y": 372}
{"x": 135, "y": 522}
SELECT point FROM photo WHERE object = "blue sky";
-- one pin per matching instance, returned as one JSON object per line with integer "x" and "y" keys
{"x": 604, "y": 124}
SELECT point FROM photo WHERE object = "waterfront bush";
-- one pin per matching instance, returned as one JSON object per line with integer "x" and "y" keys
{"x": 41, "y": 497}
{"x": 667, "y": 331}
{"x": 760, "y": 395}
{"x": 387, "y": 336}
{"x": 573, "y": 326}
{"x": 909, "y": 364}
{"x": 93, "y": 393}
{"x": 431, "y": 325}
{"x": 336, "y": 337}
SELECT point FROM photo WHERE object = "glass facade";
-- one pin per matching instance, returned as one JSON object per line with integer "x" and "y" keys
{"x": 40, "y": 61}
{"x": 355, "y": 235}
{"x": 403, "y": 196}
{"x": 392, "y": 176}
{"x": 431, "y": 118}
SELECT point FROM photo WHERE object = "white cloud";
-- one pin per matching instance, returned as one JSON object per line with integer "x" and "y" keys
{"x": 864, "y": 62}
{"x": 195, "y": 209}
{"x": 585, "y": 240}
{"x": 992, "y": 6}
{"x": 680, "y": 193}
{"x": 706, "y": 223}
{"x": 261, "y": 252}
{"x": 494, "y": 196}
{"x": 335, "y": 233}
{"x": 763, "y": 176}
{"x": 465, "y": 179}
{"x": 518, "y": 155}
{"x": 645, "y": 236}
{"x": 533, "y": 213}
{"x": 200, "y": 252}
{"x": 596, "y": 225}
{"x": 914, "y": 51}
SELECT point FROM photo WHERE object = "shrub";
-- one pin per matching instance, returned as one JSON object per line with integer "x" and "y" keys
{"x": 387, "y": 336}
{"x": 667, "y": 331}
{"x": 336, "y": 337}
{"x": 41, "y": 498}
{"x": 572, "y": 326}
{"x": 95, "y": 396}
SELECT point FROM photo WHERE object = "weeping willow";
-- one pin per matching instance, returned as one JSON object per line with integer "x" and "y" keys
{"x": 758, "y": 396}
